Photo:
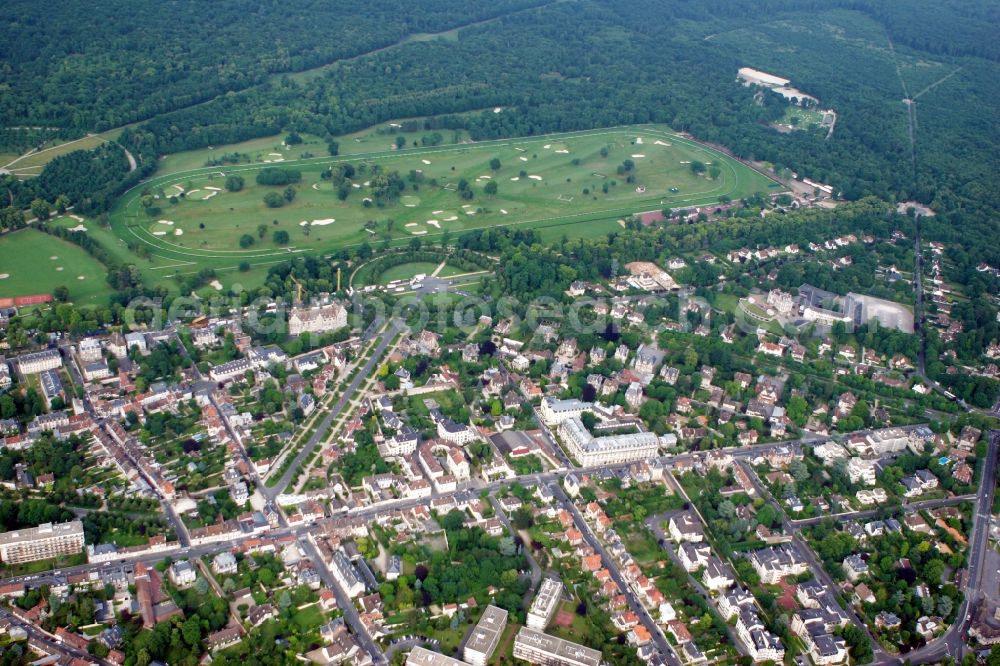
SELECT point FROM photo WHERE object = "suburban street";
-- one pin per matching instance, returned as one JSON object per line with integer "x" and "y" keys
{"x": 392, "y": 330}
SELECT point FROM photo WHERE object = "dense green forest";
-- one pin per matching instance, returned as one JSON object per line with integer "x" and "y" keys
{"x": 84, "y": 65}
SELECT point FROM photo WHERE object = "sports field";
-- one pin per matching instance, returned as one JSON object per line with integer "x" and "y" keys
{"x": 569, "y": 182}
{"x": 32, "y": 262}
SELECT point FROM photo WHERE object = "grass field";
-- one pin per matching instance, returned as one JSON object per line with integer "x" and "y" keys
{"x": 37, "y": 263}
{"x": 31, "y": 164}
{"x": 407, "y": 271}
{"x": 541, "y": 184}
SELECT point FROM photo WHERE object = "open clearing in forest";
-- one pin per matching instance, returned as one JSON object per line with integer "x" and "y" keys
{"x": 568, "y": 184}
{"x": 36, "y": 263}
{"x": 31, "y": 164}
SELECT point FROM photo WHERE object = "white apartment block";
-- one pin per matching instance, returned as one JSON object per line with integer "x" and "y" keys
{"x": 535, "y": 647}
{"x": 544, "y": 605}
{"x": 860, "y": 470}
{"x": 555, "y": 411}
{"x": 41, "y": 543}
{"x": 485, "y": 637}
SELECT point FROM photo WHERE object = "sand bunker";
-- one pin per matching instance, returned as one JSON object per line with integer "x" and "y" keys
{"x": 411, "y": 224}
{"x": 159, "y": 233}
{"x": 637, "y": 156}
{"x": 451, "y": 219}
{"x": 53, "y": 257}
{"x": 434, "y": 223}
{"x": 523, "y": 158}
{"x": 214, "y": 189}
{"x": 316, "y": 186}
{"x": 216, "y": 284}
{"x": 169, "y": 223}
{"x": 193, "y": 192}
{"x": 662, "y": 143}
{"x": 563, "y": 152}
{"x": 426, "y": 161}
{"x": 535, "y": 177}
{"x": 76, "y": 217}
{"x": 59, "y": 269}
{"x": 638, "y": 140}
{"x": 484, "y": 178}
{"x": 437, "y": 212}
{"x": 503, "y": 212}
{"x": 81, "y": 277}
{"x": 4, "y": 276}
{"x": 179, "y": 188}
{"x": 547, "y": 146}
{"x": 78, "y": 227}
{"x": 355, "y": 186}
{"x": 274, "y": 154}
{"x": 323, "y": 222}
{"x": 470, "y": 212}
{"x": 208, "y": 196}
{"x": 516, "y": 178}
{"x": 419, "y": 232}
{"x": 178, "y": 232}
{"x": 304, "y": 223}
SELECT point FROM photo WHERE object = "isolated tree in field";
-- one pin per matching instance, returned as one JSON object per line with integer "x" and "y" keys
{"x": 280, "y": 237}
{"x": 41, "y": 209}
{"x": 491, "y": 188}
{"x": 333, "y": 147}
{"x": 289, "y": 194}
{"x": 246, "y": 240}
{"x": 273, "y": 200}
{"x": 261, "y": 230}
{"x": 714, "y": 172}
{"x": 495, "y": 163}
{"x": 697, "y": 168}
{"x": 244, "y": 267}
{"x": 234, "y": 183}
{"x": 400, "y": 142}
{"x": 293, "y": 139}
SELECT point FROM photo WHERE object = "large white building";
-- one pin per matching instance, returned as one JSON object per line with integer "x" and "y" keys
{"x": 231, "y": 370}
{"x": 545, "y": 603}
{"x": 32, "y": 364}
{"x": 317, "y": 320}
{"x": 862, "y": 470}
{"x": 537, "y": 648}
{"x": 42, "y": 542}
{"x": 423, "y": 657}
{"x": 485, "y": 637}
{"x": 611, "y": 449}
{"x": 773, "y": 564}
{"x": 554, "y": 411}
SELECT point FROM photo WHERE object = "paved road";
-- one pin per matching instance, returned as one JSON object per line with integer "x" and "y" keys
{"x": 659, "y": 639}
{"x": 344, "y": 602}
{"x": 655, "y": 525}
{"x": 952, "y": 642}
{"x": 270, "y": 492}
{"x": 49, "y": 643}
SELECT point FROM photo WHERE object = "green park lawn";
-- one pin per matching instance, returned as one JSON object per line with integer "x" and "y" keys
{"x": 36, "y": 263}
{"x": 541, "y": 184}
